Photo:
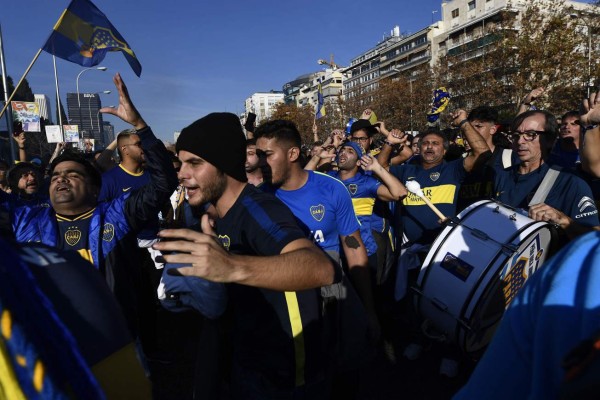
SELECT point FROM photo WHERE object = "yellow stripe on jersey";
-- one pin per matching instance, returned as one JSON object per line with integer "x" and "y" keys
{"x": 85, "y": 215}
{"x": 442, "y": 194}
{"x": 297, "y": 332}
{"x": 363, "y": 206}
{"x": 131, "y": 173}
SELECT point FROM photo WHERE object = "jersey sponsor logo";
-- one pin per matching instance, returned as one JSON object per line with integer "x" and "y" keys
{"x": 442, "y": 194}
{"x": 108, "y": 233}
{"x": 317, "y": 212}
{"x": 587, "y": 214}
{"x": 434, "y": 176}
{"x": 126, "y": 189}
{"x": 72, "y": 236}
{"x": 352, "y": 188}
{"x": 584, "y": 203}
{"x": 45, "y": 205}
{"x": 225, "y": 241}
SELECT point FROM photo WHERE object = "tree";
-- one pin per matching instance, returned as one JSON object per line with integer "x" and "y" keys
{"x": 303, "y": 117}
{"x": 24, "y": 93}
{"x": 541, "y": 46}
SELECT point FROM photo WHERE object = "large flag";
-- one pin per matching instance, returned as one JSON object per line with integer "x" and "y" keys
{"x": 320, "y": 104}
{"x": 84, "y": 35}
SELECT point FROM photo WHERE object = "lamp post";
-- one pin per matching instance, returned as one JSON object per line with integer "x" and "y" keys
{"x": 79, "y": 96}
{"x": 586, "y": 23}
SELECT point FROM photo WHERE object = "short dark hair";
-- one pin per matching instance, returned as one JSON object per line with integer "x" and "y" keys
{"x": 483, "y": 113}
{"x": 281, "y": 130}
{"x": 436, "y": 132}
{"x": 250, "y": 142}
{"x": 548, "y": 139}
{"x": 125, "y": 134}
{"x": 90, "y": 170}
{"x": 572, "y": 113}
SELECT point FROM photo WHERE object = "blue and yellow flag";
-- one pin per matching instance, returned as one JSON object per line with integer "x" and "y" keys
{"x": 320, "y": 104}
{"x": 84, "y": 35}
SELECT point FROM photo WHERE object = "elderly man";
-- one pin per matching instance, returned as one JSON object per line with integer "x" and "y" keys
{"x": 533, "y": 136}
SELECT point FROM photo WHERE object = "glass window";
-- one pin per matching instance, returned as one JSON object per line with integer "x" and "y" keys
{"x": 471, "y": 5}
{"x": 455, "y": 13}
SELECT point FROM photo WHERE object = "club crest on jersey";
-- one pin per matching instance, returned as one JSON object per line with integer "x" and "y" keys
{"x": 434, "y": 176}
{"x": 352, "y": 188}
{"x": 318, "y": 212}
{"x": 225, "y": 241}
{"x": 108, "y": 233}
{"x": 72, "y": 236}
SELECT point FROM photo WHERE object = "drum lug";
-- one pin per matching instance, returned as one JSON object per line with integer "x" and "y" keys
{"x": 509, "y": 249}
{"x": 513, "y": 217}
{"x": 480, "y": 234}
{"x": 497, "y": 209}
{"x": 439, "y": 304}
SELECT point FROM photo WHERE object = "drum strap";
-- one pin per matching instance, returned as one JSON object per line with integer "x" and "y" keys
{"x": 542, "y": 192}
{"x": 506, "y": 158}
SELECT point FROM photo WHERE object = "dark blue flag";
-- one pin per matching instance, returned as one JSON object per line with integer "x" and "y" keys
{"x": 84, "y": 35}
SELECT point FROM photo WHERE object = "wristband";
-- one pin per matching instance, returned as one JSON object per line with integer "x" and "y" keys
{"x": 526, "y": 104}
{"x": 21, "y": 148}
{"x": 461, "y": 123}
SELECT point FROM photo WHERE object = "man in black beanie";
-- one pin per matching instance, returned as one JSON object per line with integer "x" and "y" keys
{"x": 254, "y": 244}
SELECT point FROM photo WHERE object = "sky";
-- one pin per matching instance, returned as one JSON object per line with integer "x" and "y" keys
{"x": 200, "y": 57}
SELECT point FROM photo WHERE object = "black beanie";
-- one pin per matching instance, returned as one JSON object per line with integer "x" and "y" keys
{"x": 218, "y": 138}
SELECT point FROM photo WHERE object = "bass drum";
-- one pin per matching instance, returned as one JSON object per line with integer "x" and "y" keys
{"x": 475, "y": 268}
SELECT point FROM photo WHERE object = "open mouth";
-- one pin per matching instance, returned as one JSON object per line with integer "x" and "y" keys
{"x": 63, "y": 188}
{"x": 190, "y": 191}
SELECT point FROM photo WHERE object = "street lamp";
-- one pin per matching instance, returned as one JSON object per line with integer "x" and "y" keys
{"x": 589, "y": 48}
{"x": 79, "y": 96}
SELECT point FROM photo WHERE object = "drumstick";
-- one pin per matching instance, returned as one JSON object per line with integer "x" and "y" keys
{"x": 415, "y": 188}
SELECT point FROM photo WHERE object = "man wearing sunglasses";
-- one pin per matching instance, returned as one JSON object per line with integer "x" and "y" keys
{"x": 533, "y": 135}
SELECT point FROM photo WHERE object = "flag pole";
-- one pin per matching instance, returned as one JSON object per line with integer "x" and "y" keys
{"x": 60, "y": 122}
{"x": 9, "y": 126}
{"x": 20, "y": 81}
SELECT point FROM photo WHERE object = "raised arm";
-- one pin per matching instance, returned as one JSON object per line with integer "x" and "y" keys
{"x": 299, "y": 266}
{"x": 394, "y": 138}
{"x": 20, "y": 139}
{"x": 476, "y": 141}
{"x": 104, "y": 160}
{"x": 590, "y": 148}
{"x": 144, "y": 204}
{"x": 391, "y": 189}
{"x": 525, "y": 104}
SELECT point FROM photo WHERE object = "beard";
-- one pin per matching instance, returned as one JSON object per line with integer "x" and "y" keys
{"x": 210, "y": 191}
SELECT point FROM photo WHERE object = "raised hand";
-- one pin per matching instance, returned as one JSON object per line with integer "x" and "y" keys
{"x": 590, "y": 111}
{"x": 125, "y": 110}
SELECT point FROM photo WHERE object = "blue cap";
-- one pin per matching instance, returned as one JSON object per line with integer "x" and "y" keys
{"x": 357, "y": 148}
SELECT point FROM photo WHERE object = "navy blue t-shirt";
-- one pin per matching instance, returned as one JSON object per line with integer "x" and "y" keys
{"x": 268, "y": 324}
{"x": 569, "y": 194}
{"x": 440, "y": 184}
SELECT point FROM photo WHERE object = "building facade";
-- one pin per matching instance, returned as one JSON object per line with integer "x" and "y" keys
{"x": 263, "y": 104}
{"x": 43, "y": 103}
{"x": 85, "y": 113}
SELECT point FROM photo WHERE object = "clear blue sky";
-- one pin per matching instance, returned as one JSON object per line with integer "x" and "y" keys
{"x": 199, "y": 58}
